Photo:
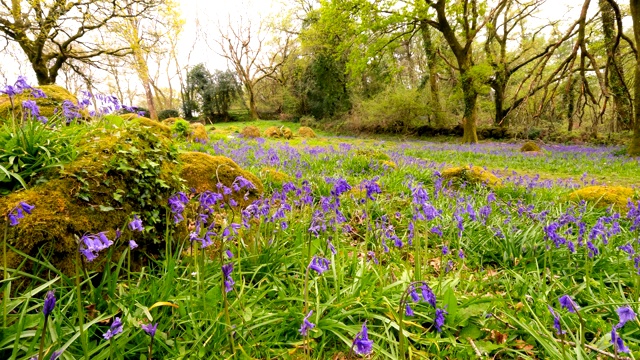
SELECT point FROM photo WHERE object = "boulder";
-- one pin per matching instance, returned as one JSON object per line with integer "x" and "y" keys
{"x": 250, "y": 132}
{"x": 198, "y": 133}
{"x": 604, "y": 196}
{"x": 273, "y": 132}
{"x": 306, "y": 132}
{"x": 48, "y": 106}
{"x": 473, "y": 175}
{"x": 530, "y": 146}
{"x": 287, "y": 133}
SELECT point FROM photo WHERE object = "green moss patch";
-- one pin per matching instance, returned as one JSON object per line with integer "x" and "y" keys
{"x": 473, "y": 175}
{"x": 604, "y": 196}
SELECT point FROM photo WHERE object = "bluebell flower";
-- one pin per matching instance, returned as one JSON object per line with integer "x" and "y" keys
{"x": 115, "y": 329}
{"x": 150, "y": 329}
{"x": 362, "y": 344}
{"x": 461, "y": 254}
{"x": 567, "y": 303}
{"x": 227, "y": 269}
{"x": 556, "y": 321}
{"x": 331, "y": 247}
{"x": 56, "y": 354}
{"x": 409, "y": 310}
{"x": 306, "y": 324}
{"x": 414, "y": 294}
{"x": 626, "y": 314}
{"x": 428, "y": 295}
{"x": 440, "y": 319}
{"x": 133, "y": 244}
{"x": 445, "y": 250}
{"x": 49, "y": 303}
{"x": 92, "y": 244}
{"x": 229, "y": 254}
{"x": 136, "y": 224}
{"x": 319, "y": 264}
{"x": 617, "y": 342}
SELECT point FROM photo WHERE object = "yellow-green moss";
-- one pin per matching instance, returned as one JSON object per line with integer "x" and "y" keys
{"x": 306, "y": 132}
{"x": 389, "y": 164}
{"x": 198, "y": 133}
{"x": 604, "y": 195}
{"x": 170, "y": 121}
{"x": 250, "y": 132}
{"x": 157, "y": 127}
{"x": 130, "y": 116}
{"x": 287, "y": 133}
{"x": 274, "y": 176}
{"x": 474, "y": 175}
{"x": 81, "y": 198}
{"x": 272, "y": 132}
{"x": 203, "y": 172}
{"x": 55, "y": 96}
{"x": 530, "y": 146}
{"x": 373, "y": 154}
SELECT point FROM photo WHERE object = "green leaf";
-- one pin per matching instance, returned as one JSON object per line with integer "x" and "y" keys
{"x": 106, "y": 208}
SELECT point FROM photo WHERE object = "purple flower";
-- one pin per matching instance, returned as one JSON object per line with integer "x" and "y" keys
{"x": 31, "y": 107}
{"x": 439, "y": 319}
{"x": 49, "y": 303}
{"x": 319, "y": 264}
{"x": 132, "y": 244}
{"x": 331, "y": 247}
{"x": 306, "y": 324}
{"x": 428, "y": 295}
{"x": 150, "y": 329}
{"x": 556, "y": 322}
{"x": 409, "y": 311}
{"x": 567, "y": 303}
{"x": 414, "y": 294}
{"x": 617, "y": 342}
{"x": 116, "y": 328}
{"x": 461, "y": 254}
{"x": 626, "y": 314}
{"x": 363, "y": 346}
{"x": 26, "y": 207}
{"x": 227, "y": 269}
{"x": 436, "y": 230}
{"x": 56, "y": 354}
{"x": 445, "y": 250}
{"x": 229, "y": 254}
{"x": 92, "y": 244}
{"x": 136, "y": 224}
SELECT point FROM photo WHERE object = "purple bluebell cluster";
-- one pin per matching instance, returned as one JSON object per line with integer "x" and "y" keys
{"x": 18, "y": 212}
{"x": 362, "y": 344}
{"x": 227, "y": 269}
{"x": 306, "y": 324}
{"x": 115, "y": 329}
{"x": 92, "y": 244}
{"x": 150, "y": 329}
{"x": 319, "y": 264}
{"x": 49, "y": 303}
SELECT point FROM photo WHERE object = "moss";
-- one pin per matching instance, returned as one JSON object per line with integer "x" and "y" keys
{"x": 250, "y": 132}
{"x": 274, "y": 176}
{"x": 388, "y": 164}
{"x": 306, "y": 132}
{"x": 116, "y": 173}
{"x": 604, "y": 195}
{"x": 474, "y": 175}
{"x": 203, "y": 172}
{"x": 170, "y": 121}
{"x": 198, "y": 133}
{"x": 287, "y": 133}
{"x": 130, "y": 116}
{"x": 530, "y": 146}
{"x": 273, "y": 132}
{"x": 157, "y": 127}
{"x": 373, "y": 154}
{"x": 55, "y": 96}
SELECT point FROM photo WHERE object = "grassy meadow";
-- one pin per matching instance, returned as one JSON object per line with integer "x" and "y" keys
{"x": 349, "y": 233}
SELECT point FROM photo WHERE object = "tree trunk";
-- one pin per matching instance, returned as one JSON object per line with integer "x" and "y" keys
{"x": 499, "y": 86}
{"x": 634, "y": 147}
{"x": 622, "y": 103}
{"x": 438, "y": 114}
{"x": 44, "y": 76}
{"x": 253, "y": 112}
{"x": 470, "y": 110}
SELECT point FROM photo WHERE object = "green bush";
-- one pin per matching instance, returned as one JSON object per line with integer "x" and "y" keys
{"x": 181, "y": 127}
{"x": 396, "y": 110}
{"x": 169, "y": 113}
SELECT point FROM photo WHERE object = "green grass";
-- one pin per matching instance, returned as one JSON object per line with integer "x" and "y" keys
{"x": 496, "y": 297}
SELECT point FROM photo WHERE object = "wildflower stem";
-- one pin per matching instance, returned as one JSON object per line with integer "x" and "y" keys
{"x": 5, "y": 298}
{"x": 83, "y": 339}
{"x": 226, "y": 307}
{"x": 44, "y": 331}
{"x": 151, "y": 348}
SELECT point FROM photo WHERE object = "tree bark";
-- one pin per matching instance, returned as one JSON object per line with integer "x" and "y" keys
{"x": 432, "y": 57}
{"x": 622, "y": 103}
{"x": 634, "y": 147}
{"x": 470, "y": 96}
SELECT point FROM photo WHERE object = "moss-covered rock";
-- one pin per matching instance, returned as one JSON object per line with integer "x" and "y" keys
{"x": 203, "y": 172}
{"x": 530, "y": 146}
{"x": 389, "y": 164}
{"x": 170, "y": 121}
{"x": 156, "y": 127}
{"x": 604, "y": 195}
{"x": 198, "y": 133}
{"x": 117, "y": 173}
{"x": 473, "y": 175}
{"x": 273, "y": 132}
{"x": 250, "y": 132}
{"x": 373, "y": 154}
{"x": 306, "y": 132}
{"x": 287, "y": 133}
{"x": 55, "y": 96}
{"x": 274, "y": 176}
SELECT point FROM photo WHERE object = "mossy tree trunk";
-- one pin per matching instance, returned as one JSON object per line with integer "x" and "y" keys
{"x": 621, "y": 99}
{"x": 634, "y": 147}
{"x": 470, "y": 96}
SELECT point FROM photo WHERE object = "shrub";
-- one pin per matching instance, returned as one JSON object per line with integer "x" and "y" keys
{"x": 181, "y": 128}
{"x": 393, "y": 111}
{"x": 307, "y": 121}
{"x": 169, "y": 113}
{"x": 530, "y": 146}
